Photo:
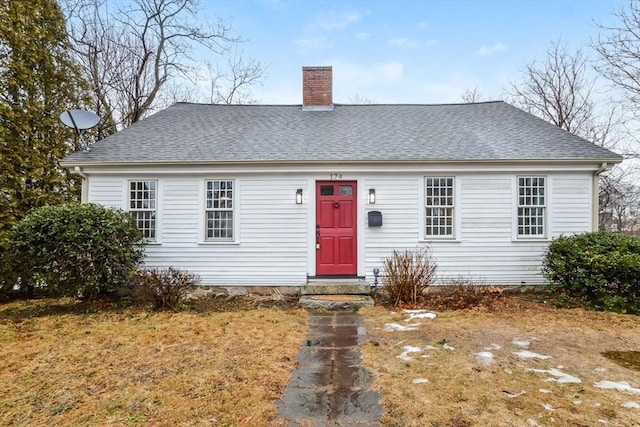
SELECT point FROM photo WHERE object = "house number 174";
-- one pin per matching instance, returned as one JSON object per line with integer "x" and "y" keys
{"x": 336, "y": 176}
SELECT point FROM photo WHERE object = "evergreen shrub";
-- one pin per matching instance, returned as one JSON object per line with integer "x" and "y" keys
{"x": 599, "y": 270}
{"x": 79, "y": 250}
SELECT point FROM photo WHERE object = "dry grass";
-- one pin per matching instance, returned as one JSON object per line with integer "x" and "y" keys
{"x": 64, "y": 364}
{"x": 461, "y": 391}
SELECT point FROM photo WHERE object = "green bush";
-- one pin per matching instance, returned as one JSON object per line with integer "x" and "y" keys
{"x": 600, "y": 270}
{"x": 75, "y": 249}
{"x": 407, "y": 276}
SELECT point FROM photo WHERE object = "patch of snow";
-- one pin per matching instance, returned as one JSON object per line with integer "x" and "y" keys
{"x": 493, "y": 347}
{"x": 391, "y": 327}
{"x": 544, "y": 390}
{"x": 484, "y": 357}
{"x": 448, "y": 347}
{"x": 532, "y": 422}
{"x": 601, "y": 421}
{"x": 419, "y": 381}
{"x": 630, "y": 404}
{"x": 526, "y": 354}
{"x": 547, "y": 406}
{"x": 560, "y": 377}
{"x": 600, "y": 369}
{"x": 514, "y": 395}
{"x": 620, "y": 386}
{"x": 419, "y": 314}
{"x": 577, "y": 402}
{"x": 521, "y": 343}
{"x": 430, "y": 347}
{"x": 408, "y": 349}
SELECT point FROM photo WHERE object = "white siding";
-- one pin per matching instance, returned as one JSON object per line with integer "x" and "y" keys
{"x": 107, "y": 190}
{"x": 272, "y": 233}
{"x": 274, "y": 242}
{"x": 571, "y": 202}
{"x": 484, "y": 249}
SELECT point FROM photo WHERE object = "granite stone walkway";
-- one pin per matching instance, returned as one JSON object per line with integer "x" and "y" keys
{"x": 329, "y": 387}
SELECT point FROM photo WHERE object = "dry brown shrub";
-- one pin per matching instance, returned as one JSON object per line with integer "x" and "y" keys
{"x": 462, "y": 294}
{"x": 165, "y": 288}
{"x": 407, "y": 276}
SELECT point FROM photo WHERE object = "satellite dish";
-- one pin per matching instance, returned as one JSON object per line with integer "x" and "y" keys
{"x": 79, "y": 120}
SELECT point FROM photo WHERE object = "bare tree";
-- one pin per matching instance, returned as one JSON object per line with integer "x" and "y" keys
{"x": 472, "y": 95}
{"x": 619, "y": 202}
{"x": 130, "y": 54}
{"x": 361, "y": 100}
{"x": 230, "y": 85}
{"x": 619, "y": 50}
{"x": 557, "y": 90}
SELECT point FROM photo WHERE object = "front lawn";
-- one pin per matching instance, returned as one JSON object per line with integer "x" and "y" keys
{"x": 509, "y": 362}
{"x": 516, "y": 363}
{"x": 63, "y": 363}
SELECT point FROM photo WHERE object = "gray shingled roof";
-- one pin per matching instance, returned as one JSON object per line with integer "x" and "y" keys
{"x": 253, "y": 133}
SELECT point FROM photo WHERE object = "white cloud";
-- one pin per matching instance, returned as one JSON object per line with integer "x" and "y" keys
{"x": 403, "y": 43}
{"x": 406, "y": 43}
{"x": 392, "y": 71}
{"x": 363, "y": 35}
{"x": 334, "y": 20}
{"x": 319, "y": 42}
{"x": 422, "y": 26}
{"x": 486, "y": 51}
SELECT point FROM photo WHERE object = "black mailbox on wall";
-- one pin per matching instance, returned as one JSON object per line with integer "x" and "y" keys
{"x": 375, "y": 219}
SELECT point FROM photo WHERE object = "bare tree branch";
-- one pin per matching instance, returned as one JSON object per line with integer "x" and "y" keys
{"x": 472, "y": 95}
{"x": 129, "y": 55}
{"x": 557, "y": 90}
{"x": 619, "y": 50}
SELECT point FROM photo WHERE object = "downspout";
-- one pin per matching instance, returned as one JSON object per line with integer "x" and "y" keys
{"x": 84, "y": 195}
{"x": 595, "y": 216}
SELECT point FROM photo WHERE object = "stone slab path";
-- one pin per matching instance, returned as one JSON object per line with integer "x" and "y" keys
{"x": 329, "y": 387}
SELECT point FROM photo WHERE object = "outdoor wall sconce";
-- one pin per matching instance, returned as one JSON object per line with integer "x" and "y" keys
{"x": 299, "y": 196}
{"x": 372, "y": 196}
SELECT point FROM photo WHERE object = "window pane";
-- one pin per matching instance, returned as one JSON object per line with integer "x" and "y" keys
{"x": 142, "y": 204}
{"x": 326, "y": 190}
{"x": 439, "y": 201}
{"x": 345, "y": 190}
{"x": 219, "y": 210}
{"x": 531, "y": 206}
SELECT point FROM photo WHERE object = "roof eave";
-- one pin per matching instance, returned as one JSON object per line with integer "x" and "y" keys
{"x": 608, "y": 160}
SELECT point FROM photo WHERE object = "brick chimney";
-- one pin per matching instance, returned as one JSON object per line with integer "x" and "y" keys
{"x": 317, "y": 88}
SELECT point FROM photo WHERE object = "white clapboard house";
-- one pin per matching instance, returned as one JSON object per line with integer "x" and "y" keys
{"x": 273, "y": 195}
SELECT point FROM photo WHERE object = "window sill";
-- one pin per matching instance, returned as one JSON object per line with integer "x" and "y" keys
{"x": 153, "y": 243}
{"x": 220, "y": 243}
{"x": 441, "y": 240}
{"x": 530, "y": 239}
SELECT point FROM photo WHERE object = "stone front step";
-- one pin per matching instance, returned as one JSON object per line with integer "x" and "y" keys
{"x": 337, "y": 287}
{"x": 334, "y": 302}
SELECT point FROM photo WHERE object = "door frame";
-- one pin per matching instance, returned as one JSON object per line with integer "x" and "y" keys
{"x": 357, "y": 232}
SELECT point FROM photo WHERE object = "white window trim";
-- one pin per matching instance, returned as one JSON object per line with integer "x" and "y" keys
{"x": 158, "y": 210}
{"x": 202, "y": 203}
{"x": 455, "y": 236}
{"x": 516, "y": 237}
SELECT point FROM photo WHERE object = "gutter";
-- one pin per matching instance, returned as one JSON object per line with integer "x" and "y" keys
{"x": 84, "y": 193}
{"x": 332, "y": 162}
{"x": 595, "y": 197}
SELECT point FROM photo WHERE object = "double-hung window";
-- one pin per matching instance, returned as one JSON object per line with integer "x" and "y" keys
{"x": 219, "y": 210}
{"x": 439, "y": 206}
{"x": 143, "y": 206}
{"x": 531, "y": 206}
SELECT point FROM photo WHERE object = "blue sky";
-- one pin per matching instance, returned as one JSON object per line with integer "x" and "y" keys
{"x": 405, "y": 51}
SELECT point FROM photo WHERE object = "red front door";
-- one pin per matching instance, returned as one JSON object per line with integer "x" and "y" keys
{"x": 336, "y": 249}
